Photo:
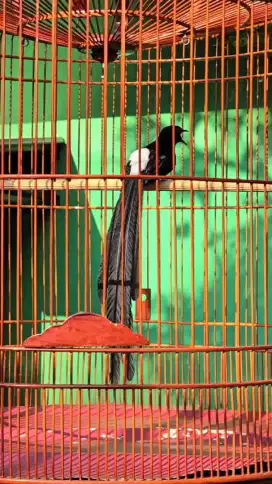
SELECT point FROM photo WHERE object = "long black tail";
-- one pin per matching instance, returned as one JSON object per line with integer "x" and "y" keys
{"x": 114, "y": 270}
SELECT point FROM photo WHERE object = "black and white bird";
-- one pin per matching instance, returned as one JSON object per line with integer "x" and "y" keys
{"x": 121, "y": 292}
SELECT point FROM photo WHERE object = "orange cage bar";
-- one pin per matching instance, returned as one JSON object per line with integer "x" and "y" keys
{"x": 135, "y": 334}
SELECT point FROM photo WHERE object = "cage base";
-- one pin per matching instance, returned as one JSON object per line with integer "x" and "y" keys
{"x": 92, "y": 442}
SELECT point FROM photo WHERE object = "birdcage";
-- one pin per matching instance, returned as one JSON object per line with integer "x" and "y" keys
{"x": 84, "y": 84}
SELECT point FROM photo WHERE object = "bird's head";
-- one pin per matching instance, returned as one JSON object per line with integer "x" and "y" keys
{"x": 166, "y": 134}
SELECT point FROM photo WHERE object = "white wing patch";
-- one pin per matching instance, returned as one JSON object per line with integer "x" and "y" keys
{"x": 134, "y": 160}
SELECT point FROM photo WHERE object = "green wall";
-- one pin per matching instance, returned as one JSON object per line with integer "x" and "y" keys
{"x": 79, "y": 271}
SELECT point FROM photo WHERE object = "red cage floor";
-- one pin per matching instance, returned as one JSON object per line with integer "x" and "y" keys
{"x": 117, "y": 442}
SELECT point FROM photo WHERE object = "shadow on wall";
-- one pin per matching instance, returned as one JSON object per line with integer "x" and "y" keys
{"x": 67, "y": 262}
{"x": 147, "y": 93}
{"x": 67, "y": 243}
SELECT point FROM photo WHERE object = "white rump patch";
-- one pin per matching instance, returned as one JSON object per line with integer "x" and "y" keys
{"x": 134, "y": 160}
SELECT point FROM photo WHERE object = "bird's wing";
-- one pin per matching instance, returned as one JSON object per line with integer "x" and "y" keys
{"x": 151, "y": 165}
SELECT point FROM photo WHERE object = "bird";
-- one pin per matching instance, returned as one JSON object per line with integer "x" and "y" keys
{"x": 143, "y": 162}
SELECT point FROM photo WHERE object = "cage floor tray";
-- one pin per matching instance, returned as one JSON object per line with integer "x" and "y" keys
{"x": 106, "y": 442}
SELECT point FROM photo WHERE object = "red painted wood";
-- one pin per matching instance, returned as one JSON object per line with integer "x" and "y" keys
{"x": 86, "y": 329}
{"x": 179, "y": 443}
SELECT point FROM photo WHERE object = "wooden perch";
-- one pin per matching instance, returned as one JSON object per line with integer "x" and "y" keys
{"x": 115, "y": 184}
{"x": 85, "y": 330}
